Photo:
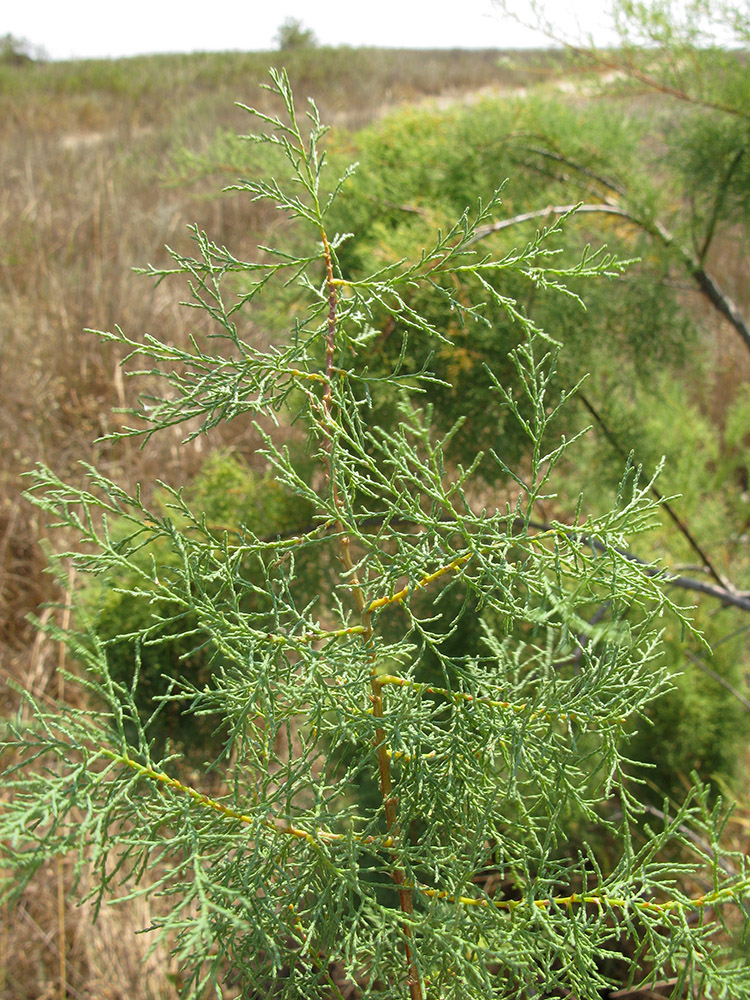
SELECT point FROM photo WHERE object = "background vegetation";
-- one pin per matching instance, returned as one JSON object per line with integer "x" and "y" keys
{"x": 103, "y": 161}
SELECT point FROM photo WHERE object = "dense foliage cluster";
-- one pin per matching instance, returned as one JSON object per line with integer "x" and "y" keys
{"x": 375, "y": 808}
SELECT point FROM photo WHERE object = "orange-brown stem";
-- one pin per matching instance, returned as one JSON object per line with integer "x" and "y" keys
{"x": 389, "y": 804}
{"x": 331, "y": 334}
{"x": 405, "y": 891}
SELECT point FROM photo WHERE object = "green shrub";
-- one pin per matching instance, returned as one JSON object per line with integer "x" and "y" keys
{"x": 17, "y": 51}
{"x": 292, "y": 34}
{"x": 455, "y": 879}
{"x": 137, "y": 624}
{"x": 419, "y": 168}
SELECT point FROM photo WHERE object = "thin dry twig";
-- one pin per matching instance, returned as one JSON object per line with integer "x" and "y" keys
{"x": 707, "y": 285}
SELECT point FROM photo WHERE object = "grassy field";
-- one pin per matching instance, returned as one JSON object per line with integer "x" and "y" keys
{"x": 103, "y": 162}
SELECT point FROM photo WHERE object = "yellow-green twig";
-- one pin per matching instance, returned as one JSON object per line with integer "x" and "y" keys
{"x": 602, "y": 902}
{"x": 312, "y": 837}
{"x": 294, "y": 640}
{"x": 386, "y": 679}
{"x": 451, "y": 567}
{"x": 402, "y": 594}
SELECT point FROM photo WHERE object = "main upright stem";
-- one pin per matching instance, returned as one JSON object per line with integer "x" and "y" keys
{"x": 384, "y": 762}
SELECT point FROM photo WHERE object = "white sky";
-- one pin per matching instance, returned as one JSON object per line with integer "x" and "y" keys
{"x": 95, "y": 28}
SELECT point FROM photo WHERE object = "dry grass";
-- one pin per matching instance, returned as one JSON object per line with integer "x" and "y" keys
{"x": 103, "y": 960}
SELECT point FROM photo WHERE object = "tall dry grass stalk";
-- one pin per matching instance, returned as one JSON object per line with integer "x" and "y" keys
{"x": 105, "y": 960}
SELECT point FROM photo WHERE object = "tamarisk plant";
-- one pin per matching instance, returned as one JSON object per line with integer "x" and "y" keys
{"x": 368, "y": 826}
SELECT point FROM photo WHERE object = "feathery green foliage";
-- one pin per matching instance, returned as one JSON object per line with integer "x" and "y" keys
{"x": 471, "y": 871}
